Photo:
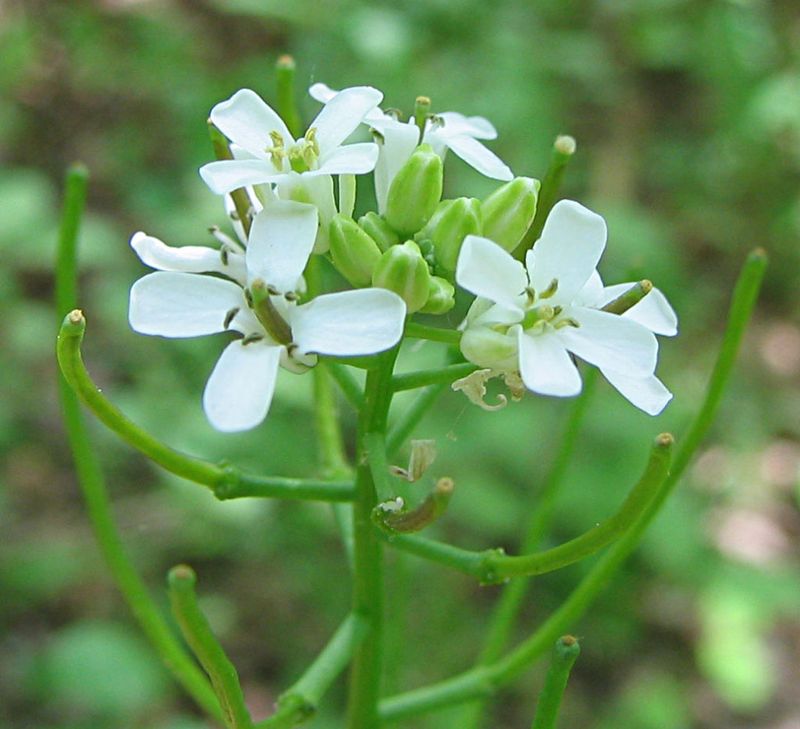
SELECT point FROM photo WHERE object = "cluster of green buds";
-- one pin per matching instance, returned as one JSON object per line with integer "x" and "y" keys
{"x": 412, "y": 249}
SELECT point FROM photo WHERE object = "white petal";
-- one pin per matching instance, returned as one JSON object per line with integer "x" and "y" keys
{"x": 174, "y": 304}
{"x": 349, "y": 323}
{"x": 230, "y": 174}
{"x": 473, "y": 126}
{"x": 545, "y": 365}
{"x": 239, "y": 392}
{"x": 592, "y": 293}
{"x": 280, "y": 243}
{"x": 486, "y": 270}
{"x": 653, "y": 311}
{"x": 647, "y": 393}
{"x": 342, "y": 114}
{"x": 355, "y": 159}
{"x": 479, "y": 157}
{"x": 396, "y": 146}
{"x": 247, "y": 120}
{"x": 572, "y": 242}
{"x": 190, "y": 259}
{"x": 321, "y": 92}
{"x": 609, "y": 341}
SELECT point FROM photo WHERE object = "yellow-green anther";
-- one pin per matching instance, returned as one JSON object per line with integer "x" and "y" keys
{"x": 379, "y": 230}
{"x": 422, "y": 108}
{"x": 402, "y": 269}
{"x": 542, "y": 313}
{"x": 509, "y": 211}
{"x": 629, "y": 298}
{"x": 415, "y": 191}
{"x": 551, "y": 289}
{"x": 267, "y": 314}
{"x": 441, "y": 296}
{"x": 354, "y": 253}
{"x": 450, "y": 224}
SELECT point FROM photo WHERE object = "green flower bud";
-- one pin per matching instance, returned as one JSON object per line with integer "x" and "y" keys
{"x": 379, "y": 230}
{"x": 354, "y": 252}
{"x": 402, "y": 269}
{"x": 450, "y": 224}
{"x": 487, "y": 347}
{"x": 415, "y": 191}
{"x": 509, "y": 211}
{"x": 441, "y": 296}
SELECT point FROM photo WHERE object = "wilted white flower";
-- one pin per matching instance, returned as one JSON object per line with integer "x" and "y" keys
{"x": 258, "y": 299}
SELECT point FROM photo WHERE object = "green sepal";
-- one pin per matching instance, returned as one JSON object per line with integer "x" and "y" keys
{"x": 415, "y": 191}
{"x": 441, "y": 297}
{"x": 376, "y": 227}
{"x": 509, "y": 211}
{"x": 402, "y": 269}
{"x": 453, "y": 221}
{"x": 354, "y": 253}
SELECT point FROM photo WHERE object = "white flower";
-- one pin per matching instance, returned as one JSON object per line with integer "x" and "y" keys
{"x": 260, "y": 302}
{"x": 266, "y": 152}
{"x": 530, "y": 318}
{"x": 448, "y": 130}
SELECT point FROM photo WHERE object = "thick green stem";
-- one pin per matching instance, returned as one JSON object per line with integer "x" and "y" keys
{"x": 364, "y": 690}
{"x": 492, "y": 565}
{"x": 204, "y": 645}
{"x": 565, "y": 653}
{"x": 436, "y": 376}
{"x": 226, "y": 482}
{"x": 300, "y": 702}
{"x": 483, "y": 679}
{"x": 92, "y": 483}
{"x": 563, "y": 149}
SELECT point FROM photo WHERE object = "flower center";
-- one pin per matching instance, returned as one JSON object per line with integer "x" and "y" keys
{"x": 538, "y": 316}
{"x": 302, "y": 156}
{"x": 260, "y": 300}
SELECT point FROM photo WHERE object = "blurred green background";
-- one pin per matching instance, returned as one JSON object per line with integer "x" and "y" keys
{"x": 687, "y": 116}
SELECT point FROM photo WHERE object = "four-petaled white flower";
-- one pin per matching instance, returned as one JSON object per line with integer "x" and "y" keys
{"x": 448, "y": 130}
{"x": 260, "y": 302}
{"x": 530, "y": 318}
{"x": 266, "y": 152}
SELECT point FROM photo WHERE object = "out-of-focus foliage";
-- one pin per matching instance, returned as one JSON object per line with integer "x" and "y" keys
{"x": 687, "y": 116}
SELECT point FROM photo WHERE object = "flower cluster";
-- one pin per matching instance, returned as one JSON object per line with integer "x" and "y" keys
{"x": 528, "y": 321}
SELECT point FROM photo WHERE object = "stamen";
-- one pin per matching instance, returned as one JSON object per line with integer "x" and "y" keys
{"x": 229, "y": 316}
{"x": 568, "y": 322}
{"x": 550, "y": 290}
{"x": 250, "y": 338}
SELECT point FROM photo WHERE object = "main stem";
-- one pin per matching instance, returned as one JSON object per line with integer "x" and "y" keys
{"x": 366, "y": 670}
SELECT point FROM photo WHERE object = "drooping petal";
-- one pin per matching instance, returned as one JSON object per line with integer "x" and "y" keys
{"x": 609, "y": 341}
{"x": 349, "y": 323}
{"x": 482, "y": 159}
{"x": 239, "y": 392}
{"x": 281, "y": 239}
{"x": 486, "y": 270}
{"x": 353, "y": 159}
{"x": 190, "y": 259}
{"x": 342, "y": 114}
{"x": 230, "y": 174}
{"x": 247, "y": 120}
{"x": 653, "y": 311}
{"x": 571, "y": 244}
{"x": 397, "y": 142}
{"x": 545, "y": 365}
{"x": 456, "y": 124}
{"x": 172, "y": 304}
{"x": 646, "y": 393}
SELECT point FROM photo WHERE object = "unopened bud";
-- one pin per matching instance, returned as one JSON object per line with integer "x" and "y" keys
{"x": 441, "y": 297}
{"x": 509, "y": 211}
{"x": 376, "y": 227}
{"x": 402, "y": 269}
{"x": 354, "y": 252}
{"x": 415, "y": 191}
{"x": 450, "y": 224}
{"x": 487, "y": 347}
